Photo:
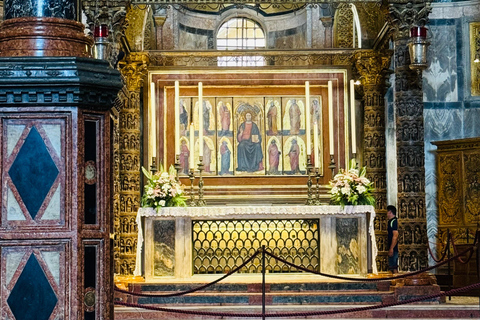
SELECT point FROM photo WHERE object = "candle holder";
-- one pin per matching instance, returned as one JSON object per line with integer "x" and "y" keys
{"x": 201, "y": 202}
{"x": 317, "y": 187}
{"x": 177, "y": 166}
{"x": 310, "y": 200}
{"x": 332, "y": 165}
{"x": 191, "y": 176}
{"x": 153, "y": 167}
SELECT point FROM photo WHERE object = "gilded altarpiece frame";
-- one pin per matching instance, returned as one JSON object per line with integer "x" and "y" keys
{"x": 274, "y": 101}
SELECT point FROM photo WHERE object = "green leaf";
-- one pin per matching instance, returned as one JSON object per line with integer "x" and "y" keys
{"x": 147, "y": 173}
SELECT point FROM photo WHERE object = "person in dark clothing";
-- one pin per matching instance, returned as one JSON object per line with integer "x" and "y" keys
{"x": 392, "y": 239}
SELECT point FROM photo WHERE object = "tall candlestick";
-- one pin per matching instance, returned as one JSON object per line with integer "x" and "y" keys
{"x": 177, "y": 118}
{"x": 192, "y": 147}
{"x": 330, "y": 116}
{"x": 315, "y": 144}
{"x": 307, "y": 114}
{"x": 200, "y": 119}
{"x": 352, "y": 115}
{"x": 153, "y": 121}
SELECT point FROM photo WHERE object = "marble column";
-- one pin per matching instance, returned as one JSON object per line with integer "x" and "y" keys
{"x": 134, "y": 70}
{"x": 43, "y": 28}
{"x": 55, "y": 208}
{"x": 372, "y": 68}
{"x": 408, "y": 102}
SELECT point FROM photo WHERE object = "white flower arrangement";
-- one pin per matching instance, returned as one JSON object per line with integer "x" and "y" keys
{"x": 351, "y": 187}
{"x": 162, "y": 190}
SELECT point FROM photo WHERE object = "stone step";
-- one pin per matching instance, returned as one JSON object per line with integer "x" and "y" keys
{"x": 273, "y": 287}
{"x": 398, "y": 312}
{"x": 276, "y": 298}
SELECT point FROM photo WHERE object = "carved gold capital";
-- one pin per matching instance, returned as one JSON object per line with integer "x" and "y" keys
{"x": 134, "y": 69}
{"x": 406, "y": 14}
{"x": 372, "y": 66}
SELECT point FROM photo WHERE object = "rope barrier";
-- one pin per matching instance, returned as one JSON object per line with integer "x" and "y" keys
{"x": 471, "y": 253}
{"x": 191, "y": 290}
{"x": 368, "y": 279}
{"x": 302, "y": 314}
{"x": 443, "y": 255}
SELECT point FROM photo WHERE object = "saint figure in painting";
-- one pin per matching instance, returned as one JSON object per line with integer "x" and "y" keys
{"x": 183, "y": 117}
{"x": 206, "y": 118}
{"x": 315, "y": 111}
{"x": 273, "y": 157}
{"x": 295, "y": 114}
{"x": 207, "y": 156}
{"x": 224, "y": 119}
{"x": 294, "y": 155}
{"x": 225, "y": 158}
{"x": 272, "y": 119}
{"x": 184, "y": 156}
{"x": 249, "y": 150}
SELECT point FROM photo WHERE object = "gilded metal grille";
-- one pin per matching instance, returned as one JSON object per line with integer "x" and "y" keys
{"x": 221, "y": 245}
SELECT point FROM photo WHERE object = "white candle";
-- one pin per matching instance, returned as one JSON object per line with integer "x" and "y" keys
{"x": 352, "y": 115}
{"x": 192, "y": 147}
{"x": 315, "y": 144}
{"x": 200, "y": 119}
{"x": 307, "y": 114}
{"x": 153, "y": 121}
{"x": 330, "y": 116}
{"x": 177, "y": 118}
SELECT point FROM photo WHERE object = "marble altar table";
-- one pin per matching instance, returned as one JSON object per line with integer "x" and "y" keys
{"x": 182, "y": 242}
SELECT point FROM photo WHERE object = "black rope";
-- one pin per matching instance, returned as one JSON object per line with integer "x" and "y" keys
{"x": 302, "y": 314}
{"x": 367, "y": 279}
{"x": 191, "y": 290}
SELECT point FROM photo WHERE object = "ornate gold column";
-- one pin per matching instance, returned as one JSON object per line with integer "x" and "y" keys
{"x": 408, "y": 100}
{"x": 372, "y": 68}
{"x": 134, "y": 70}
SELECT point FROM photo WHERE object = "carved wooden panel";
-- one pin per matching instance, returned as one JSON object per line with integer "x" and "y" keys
{"x": 472, "y": 187}
{"x": 458, "y": 167}
{"x": 449, "y": 189}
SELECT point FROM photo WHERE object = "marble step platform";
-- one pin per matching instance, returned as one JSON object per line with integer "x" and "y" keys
{"x": 290, "y": 297}
{"x": 276, "y": 294}
{"x": 438, "y": 311}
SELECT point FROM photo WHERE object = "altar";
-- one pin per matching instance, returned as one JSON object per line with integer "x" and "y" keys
{"x": 186, "y": 242}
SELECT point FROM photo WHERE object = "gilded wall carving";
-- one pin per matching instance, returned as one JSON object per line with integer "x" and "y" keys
{"x": 450, "y": 189}
{"x": 343, "y": 27}
{"x": 372, "y": 68}
{"x": 472, "y": 187}
{"x": 474, "y": 53}
{"x": 458, "y": 163}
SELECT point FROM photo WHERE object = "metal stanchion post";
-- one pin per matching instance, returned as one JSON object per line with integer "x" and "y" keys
{"x": 263, "y": 282}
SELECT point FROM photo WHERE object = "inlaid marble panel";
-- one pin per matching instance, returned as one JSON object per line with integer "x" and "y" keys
{"x": 34, "y": 282}
{"x": 348, "y": 250}
{"x": 164, "y": 250}
{"x": 34, "y": 171}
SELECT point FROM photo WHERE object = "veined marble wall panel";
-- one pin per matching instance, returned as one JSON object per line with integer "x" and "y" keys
{"x": 472, "y": 122}
{"x": 440, "y": 124}
{"x": 440, "y": 79}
